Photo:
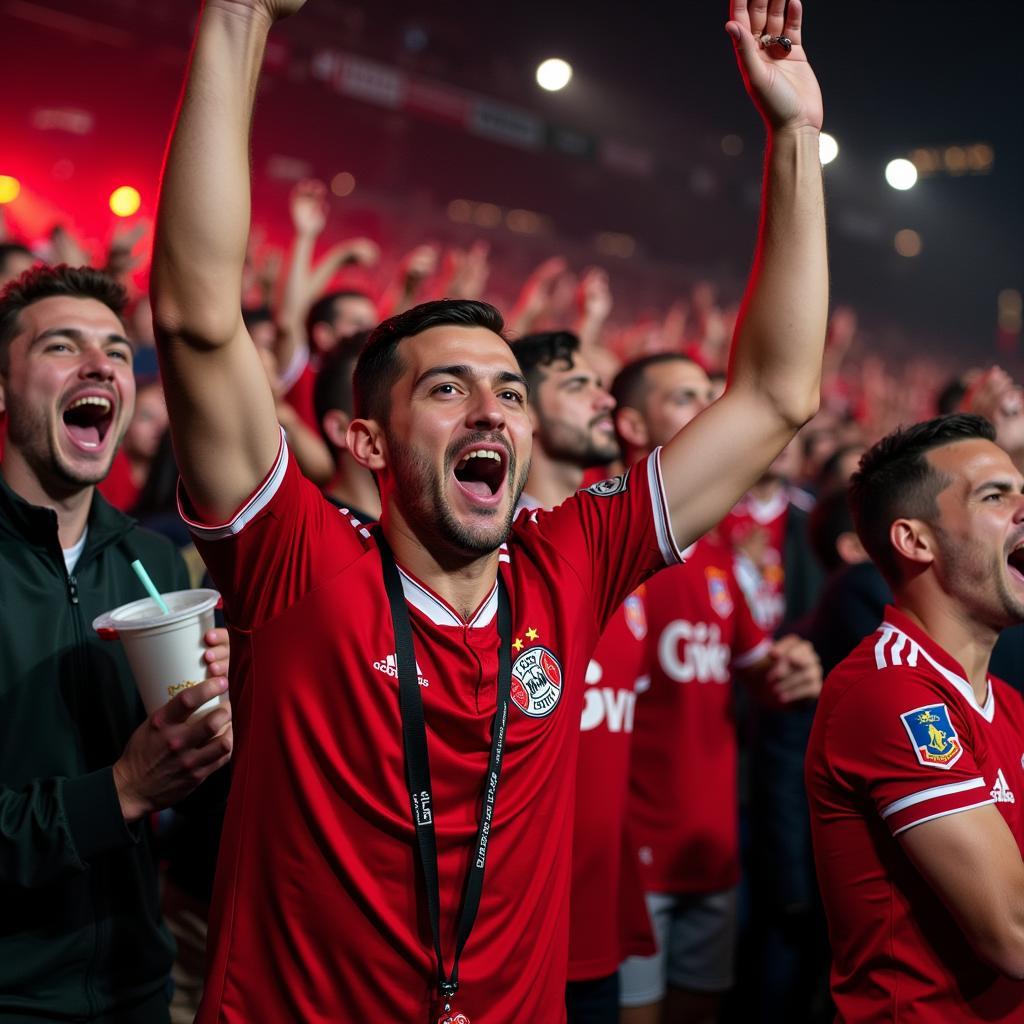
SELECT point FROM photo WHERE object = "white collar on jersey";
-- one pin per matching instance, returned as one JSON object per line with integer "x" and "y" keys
{"x": 905, "y": 651}
{"x": 440, "y": 612}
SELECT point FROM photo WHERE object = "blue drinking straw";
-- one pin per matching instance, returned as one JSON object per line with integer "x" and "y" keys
{"x": 150, "y": 587}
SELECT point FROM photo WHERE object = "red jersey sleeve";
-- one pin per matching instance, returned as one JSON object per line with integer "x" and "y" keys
{"x": 905, "y": 744}
{"x": 281, "y": 543}
{"x": 613, "y": 535}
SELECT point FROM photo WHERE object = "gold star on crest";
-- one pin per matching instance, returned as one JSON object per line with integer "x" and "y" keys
{"x": 531, "y": 634}
{"x": 518, "y": 643}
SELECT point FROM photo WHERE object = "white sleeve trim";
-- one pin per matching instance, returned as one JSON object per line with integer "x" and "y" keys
{"x": 943, "y": 814}
{"x": 932, "y": 794}
{"x": 670, "y": 550}
{"x": 754, "y": 655}
{"x": 259, "y": 500}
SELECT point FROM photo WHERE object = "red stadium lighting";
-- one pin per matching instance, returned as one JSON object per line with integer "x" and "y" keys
{"x": 125, "y": 201}
{"x": 10, "y": 188}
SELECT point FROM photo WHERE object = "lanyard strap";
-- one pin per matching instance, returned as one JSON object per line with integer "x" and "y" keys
{"x": 417, "y": 763}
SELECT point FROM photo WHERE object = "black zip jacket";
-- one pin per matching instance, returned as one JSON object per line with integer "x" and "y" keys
{"x": 81, "y": 936}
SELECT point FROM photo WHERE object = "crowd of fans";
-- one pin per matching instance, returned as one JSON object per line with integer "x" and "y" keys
{"x": 701, "y": 817}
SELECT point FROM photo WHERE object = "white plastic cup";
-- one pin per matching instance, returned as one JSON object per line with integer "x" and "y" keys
{"x": 164, "y": 651}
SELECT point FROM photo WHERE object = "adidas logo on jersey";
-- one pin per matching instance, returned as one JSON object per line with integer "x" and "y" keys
{"x": 389, "y": 666}
{"x": 1001, "y": 792}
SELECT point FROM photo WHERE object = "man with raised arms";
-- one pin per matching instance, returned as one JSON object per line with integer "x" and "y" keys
{"x": 352, "y": 881}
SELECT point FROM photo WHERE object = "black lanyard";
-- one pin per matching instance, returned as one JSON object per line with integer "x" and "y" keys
{"x": 417, "y": 763}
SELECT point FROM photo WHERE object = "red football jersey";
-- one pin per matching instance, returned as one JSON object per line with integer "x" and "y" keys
{"x": 761, "y": 577}
{"x": 899, "y": 739}
{"x": 318, "y": 911}
{"x": 601, "y": 895}
{"x": 683, "y": 800}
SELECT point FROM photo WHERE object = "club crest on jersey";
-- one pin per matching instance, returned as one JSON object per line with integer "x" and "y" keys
{"x": 606, "y": 488}
{"x": 536, "y": 682}
{"x": 936, "y": 743}
{"x": 636, "y": 616}
{"x": 718, "y": 591}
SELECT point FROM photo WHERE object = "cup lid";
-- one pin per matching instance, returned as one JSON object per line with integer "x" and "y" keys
{"x": 146, "y": 613}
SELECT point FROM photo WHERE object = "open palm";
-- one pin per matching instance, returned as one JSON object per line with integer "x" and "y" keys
{"x": 781, "y": 84}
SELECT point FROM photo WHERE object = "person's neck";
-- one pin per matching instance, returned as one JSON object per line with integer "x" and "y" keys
{"x": 766, "y": 489}
{"x": 72, "y": 506}
{"x": 353, "y": 486}
{"x": 551, "y": 481}
{"x": 461, "y": 580}
{"x": 951, "y": 626}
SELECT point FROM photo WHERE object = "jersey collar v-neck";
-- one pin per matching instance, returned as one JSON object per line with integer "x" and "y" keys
{"x": 912, "y": 642}
{"x": 440, "y": 612}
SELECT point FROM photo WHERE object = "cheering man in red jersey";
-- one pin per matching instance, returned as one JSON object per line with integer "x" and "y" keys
{"x": 387, "y": 680}
{"x": 915, "y": 768}
{"x": 683, "y": 815}
{"x": 573, "y": 432}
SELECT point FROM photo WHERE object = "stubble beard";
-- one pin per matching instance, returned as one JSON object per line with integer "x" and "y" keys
{"x": 421, "y": 493}
{"x": 29, "y": 432}
{"x": 998, "y": 610}
{"x": 576, "y": 446}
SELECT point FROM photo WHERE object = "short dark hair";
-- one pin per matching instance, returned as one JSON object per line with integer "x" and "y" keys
{"x": 46, "y": 282}
{"x": 950, "y": 397}
{"x": 254, "y": 315}
{"x": 535, "y": 352}
{"x": 829, "y": 520}
{"x": 333, "y": 386}
{"x": 630, "y": 387}
{"x": 380, "y": 364}
{"x": 322, "y": 311}
{"x": 896, "y": 481}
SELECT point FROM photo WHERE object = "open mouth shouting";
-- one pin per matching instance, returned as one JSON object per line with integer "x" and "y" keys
{"x": 1015, "y": 561}
{"x": 480, "y": 474}
{"x": 87, "y": 420}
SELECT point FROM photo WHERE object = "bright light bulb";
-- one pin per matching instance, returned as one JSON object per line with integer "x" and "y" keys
{"x": 125, "y": 201}
{"x": 901, "y": 174}
{"x": 10, "y": 188}
{"x": 554, "y": 74}
{"x": 828, "y": 148}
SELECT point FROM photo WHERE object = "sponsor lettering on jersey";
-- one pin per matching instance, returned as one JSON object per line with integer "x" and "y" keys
{"x": 691, "y": 652}
{"x": 536, "y": 681}
{"x": 718, "y": 591}
{"x": 1001, "y": 792}
{"x": 610, "y": 705}
{"x": 389, "y": 666}
{"x": 935, "y": 741}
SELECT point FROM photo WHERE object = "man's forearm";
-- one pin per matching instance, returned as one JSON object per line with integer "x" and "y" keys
{"x": 203, "y": 218}
{"x": 781, "y": 332}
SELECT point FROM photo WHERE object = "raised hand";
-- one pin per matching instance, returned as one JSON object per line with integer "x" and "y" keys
{"x": 593, "y": 296}
{"x": 781, "y": 84}
{"x": 419, "y": 264}
{"x": 273, "y": 10}
{"x": 307, "y": 205}
{"x": 995, "y": 396}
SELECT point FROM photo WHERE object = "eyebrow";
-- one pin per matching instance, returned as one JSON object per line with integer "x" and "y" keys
{"x": 581, "y": 378}
{"x": 464, "y": 372}
{"x": 77, "y": 335}
{"x": 1003, "y": 486}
